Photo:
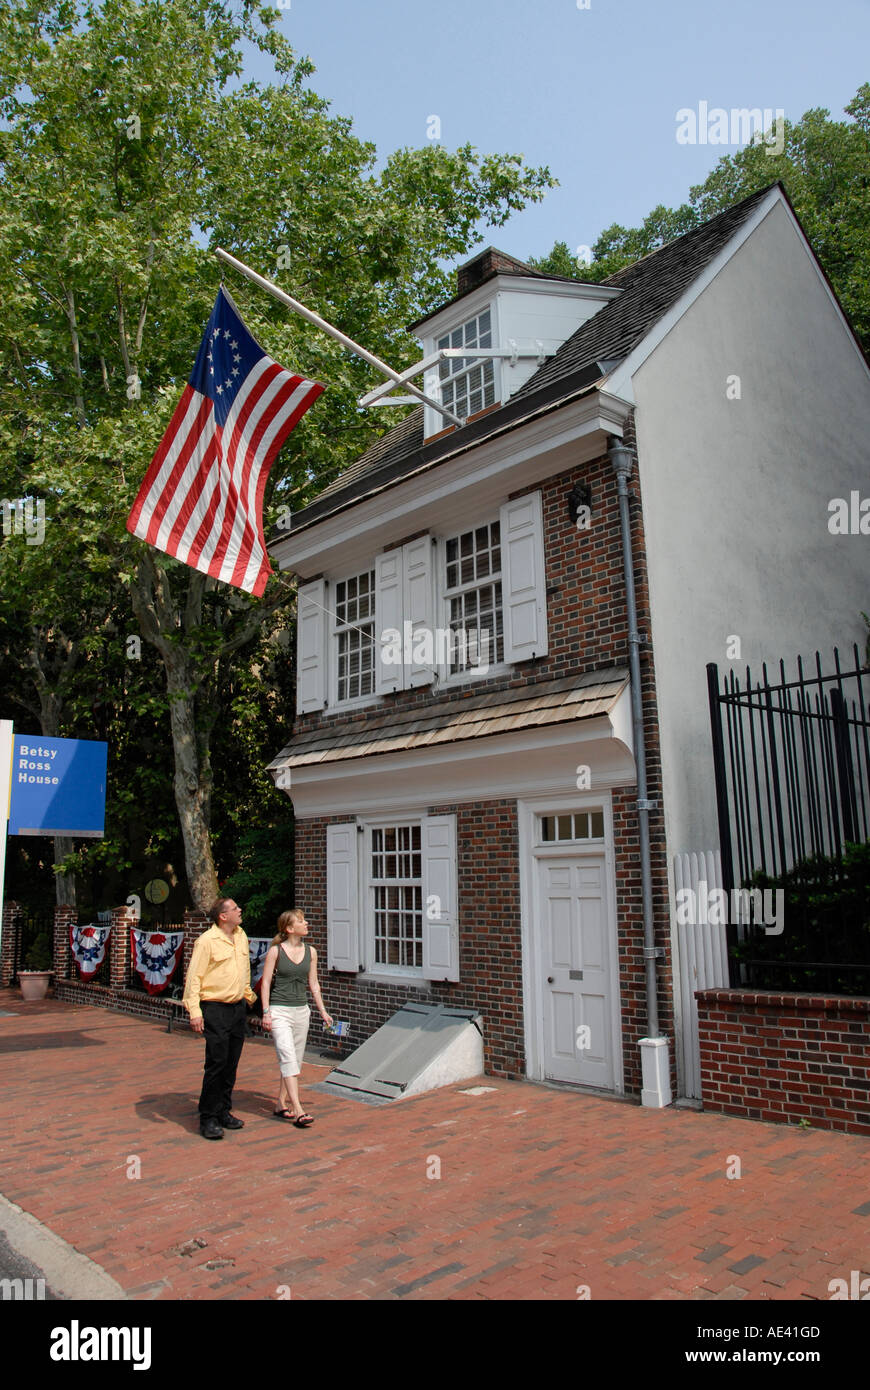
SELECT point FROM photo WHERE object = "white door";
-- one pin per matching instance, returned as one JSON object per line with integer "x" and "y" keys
{"x": 574, "y": 970}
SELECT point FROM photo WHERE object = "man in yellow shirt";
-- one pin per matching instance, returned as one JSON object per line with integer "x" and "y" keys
{"x": 218, "y": 984}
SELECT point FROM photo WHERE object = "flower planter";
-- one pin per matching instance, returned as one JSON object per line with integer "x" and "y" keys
{"x": 34, "y": 983}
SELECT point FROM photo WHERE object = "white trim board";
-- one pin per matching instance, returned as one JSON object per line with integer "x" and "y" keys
{"x": 527, "y": 809}
{"x": 441, "y": 495}
{"x": 539, "y": 761}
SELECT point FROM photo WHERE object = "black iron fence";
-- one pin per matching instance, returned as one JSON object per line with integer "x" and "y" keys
{"x": 792, "y": 767}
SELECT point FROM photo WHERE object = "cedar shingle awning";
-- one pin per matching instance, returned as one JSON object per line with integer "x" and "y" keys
{"x": 453, "y": 721}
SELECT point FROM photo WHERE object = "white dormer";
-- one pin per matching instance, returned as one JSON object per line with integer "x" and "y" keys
{"x": 502, "y": 304}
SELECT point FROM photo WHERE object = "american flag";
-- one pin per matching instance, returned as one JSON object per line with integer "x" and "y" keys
{"x": 202, "y": 497}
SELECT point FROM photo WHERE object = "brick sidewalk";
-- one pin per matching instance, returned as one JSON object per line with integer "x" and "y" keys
{"x": 540, "y": 1191}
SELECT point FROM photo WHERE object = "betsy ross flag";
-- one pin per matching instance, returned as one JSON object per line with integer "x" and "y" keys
{"x": 202, "y": 498}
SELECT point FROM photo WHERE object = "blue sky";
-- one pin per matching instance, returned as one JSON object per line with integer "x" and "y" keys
{"x": 592, "y": 93}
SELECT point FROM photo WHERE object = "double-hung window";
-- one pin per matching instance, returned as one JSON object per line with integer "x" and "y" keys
{"x": 355, "y": 636}
{"x": 474, "y": 601}
{"x": 396, "y": 881}
{"x": 468, "y": 383}
{"x": 391, "y": 897}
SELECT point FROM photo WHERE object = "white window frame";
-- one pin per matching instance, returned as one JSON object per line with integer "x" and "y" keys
{"x": 433, "y": 423}
{"x": 446, "y": 374}
{"x": 445, "y": 675}
{"x": 572, "y": 843}
{"x": 365, "y": 924}
{"x": 381, "y": 971}
{"x": 334, "y": 632}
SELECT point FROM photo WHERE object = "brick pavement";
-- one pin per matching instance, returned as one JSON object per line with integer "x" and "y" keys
{"x": 541, "y": 1192}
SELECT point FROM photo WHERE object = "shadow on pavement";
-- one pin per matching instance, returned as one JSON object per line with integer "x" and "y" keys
{"x": 179, "y": 1107}
{"x": 40, "y": 1042}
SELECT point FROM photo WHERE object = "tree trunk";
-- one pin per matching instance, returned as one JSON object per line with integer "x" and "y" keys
{"x": 193, "y": 779}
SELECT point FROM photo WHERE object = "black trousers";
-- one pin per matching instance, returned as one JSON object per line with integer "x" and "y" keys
{"x": 224, "y": 1040}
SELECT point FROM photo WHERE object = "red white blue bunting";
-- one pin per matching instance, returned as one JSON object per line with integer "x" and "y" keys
{"x": 88, "y": 946}
{"x": 257, "y": 948}
{"x": 155, "y": 956}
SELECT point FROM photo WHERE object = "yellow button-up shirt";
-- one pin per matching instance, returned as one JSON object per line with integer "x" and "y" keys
{"x": 219, "y": 971}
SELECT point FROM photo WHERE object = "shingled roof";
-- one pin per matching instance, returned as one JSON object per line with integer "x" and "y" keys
{"x": 648, "y": 290}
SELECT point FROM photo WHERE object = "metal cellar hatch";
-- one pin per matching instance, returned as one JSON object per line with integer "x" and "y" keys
{"x": 421, "y": 1047}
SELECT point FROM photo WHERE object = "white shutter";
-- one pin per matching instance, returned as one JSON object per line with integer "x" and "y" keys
{"x": 388, "y": 615}
{"x": 524, "y": 593}
{"x": 342, "y": 898}
{"x": 419, "y": 602}
{"x": 440, "y": 902}
{"x": 311, "y": 643}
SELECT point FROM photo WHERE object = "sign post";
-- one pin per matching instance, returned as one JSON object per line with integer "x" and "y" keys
{"x": 5, "y": 792}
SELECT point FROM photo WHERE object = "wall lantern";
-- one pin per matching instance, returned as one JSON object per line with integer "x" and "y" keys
{"x": 579, "y": 496}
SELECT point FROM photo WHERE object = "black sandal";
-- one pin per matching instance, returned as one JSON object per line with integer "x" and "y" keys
{"x": 286, "y": 1115}
{"x": 303, "y": 1121}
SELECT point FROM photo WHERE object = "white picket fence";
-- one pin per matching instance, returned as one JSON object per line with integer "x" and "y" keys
{"x": 701, "y": 954}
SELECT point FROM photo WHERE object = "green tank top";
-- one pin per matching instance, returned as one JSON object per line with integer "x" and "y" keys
{"x": 289, "y": 981}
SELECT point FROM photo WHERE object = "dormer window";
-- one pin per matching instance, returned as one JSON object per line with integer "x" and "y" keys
{"x": 468, "y": 383}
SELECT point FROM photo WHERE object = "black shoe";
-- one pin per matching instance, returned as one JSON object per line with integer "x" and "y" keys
{"x": 210, "y": 1129}
{"x": 231, "y": 1121}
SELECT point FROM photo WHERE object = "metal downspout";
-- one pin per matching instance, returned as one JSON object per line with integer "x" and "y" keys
{"x": 622, "y": 460}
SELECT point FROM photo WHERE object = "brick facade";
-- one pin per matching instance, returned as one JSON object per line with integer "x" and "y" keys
{"x": 490, "y": 957}
{"x": 786, "y": 1058}
{"x": 7, "y": 942}
{"x": 587, "y": 631}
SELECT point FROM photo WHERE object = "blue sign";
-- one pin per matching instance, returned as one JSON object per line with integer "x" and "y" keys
{"x": 58, "y": 786}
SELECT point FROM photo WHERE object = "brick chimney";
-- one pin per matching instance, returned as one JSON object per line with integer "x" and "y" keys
{"x": 485, "y": 265}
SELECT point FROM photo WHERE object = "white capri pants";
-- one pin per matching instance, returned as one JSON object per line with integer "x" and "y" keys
{"x": 290, "y": 1031}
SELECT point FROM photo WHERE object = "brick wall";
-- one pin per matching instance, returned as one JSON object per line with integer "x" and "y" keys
{"x": 587, "y": 631}
{"x": 490, "y": 938}
{"x": 118, "y": 995}
{"x": 586, "y": 618}
{"x": 7, "y": 941}
{"x": 786, "y": 1057}
{"x": 490, "y": 960}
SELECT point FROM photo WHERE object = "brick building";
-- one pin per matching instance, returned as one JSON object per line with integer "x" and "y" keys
{"x": 466, "y": 765}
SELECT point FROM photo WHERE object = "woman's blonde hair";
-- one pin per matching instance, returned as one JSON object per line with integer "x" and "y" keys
{"x": 292, "y": 914}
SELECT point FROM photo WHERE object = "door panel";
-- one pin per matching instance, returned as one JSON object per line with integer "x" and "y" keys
{"x": 573, "y": 959}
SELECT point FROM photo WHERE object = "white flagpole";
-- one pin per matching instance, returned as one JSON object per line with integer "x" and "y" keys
{"x": 342, "y": 338}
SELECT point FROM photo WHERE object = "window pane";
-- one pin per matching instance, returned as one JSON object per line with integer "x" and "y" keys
{"x": 597, "y": 819}
{"x": 398, "y": 896}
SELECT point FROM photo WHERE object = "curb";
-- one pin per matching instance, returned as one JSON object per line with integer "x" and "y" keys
{"x": 68, "y": 1273}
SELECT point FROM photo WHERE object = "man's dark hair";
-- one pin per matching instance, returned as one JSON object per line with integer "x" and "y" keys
{"x": 218, "y": 906}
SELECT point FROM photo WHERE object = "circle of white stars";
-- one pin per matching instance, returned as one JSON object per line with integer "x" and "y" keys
{"x": 228, "y": 384}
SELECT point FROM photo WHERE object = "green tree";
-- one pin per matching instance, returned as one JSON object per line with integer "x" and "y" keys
{"x": 130, "y": 148}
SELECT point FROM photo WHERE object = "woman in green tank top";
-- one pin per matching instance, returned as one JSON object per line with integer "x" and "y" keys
{"x": 289, "y": 971}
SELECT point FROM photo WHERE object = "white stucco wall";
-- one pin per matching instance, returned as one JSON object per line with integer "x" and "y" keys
{"x": 736, "y": 494}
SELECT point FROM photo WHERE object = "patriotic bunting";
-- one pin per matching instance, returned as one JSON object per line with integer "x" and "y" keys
{"x": 155, "y": 956}
{"x": 257, "y": 948}
{"x": 88, "y": 946}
